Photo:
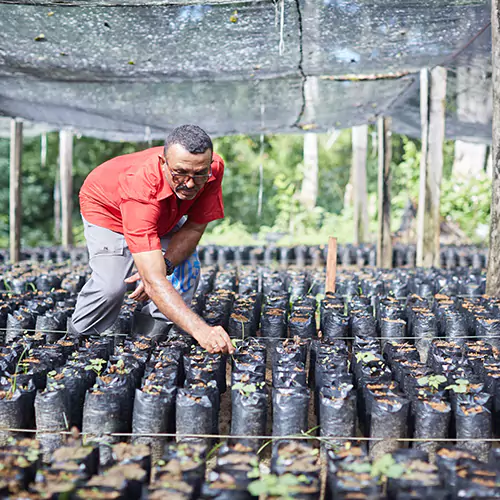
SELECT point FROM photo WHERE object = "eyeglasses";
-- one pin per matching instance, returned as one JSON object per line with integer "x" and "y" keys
{"x": 199, "y": 180}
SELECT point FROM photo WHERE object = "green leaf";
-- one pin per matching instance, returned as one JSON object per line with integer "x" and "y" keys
{"x": 257, "y": 488}
{"x": 254, "y": 473}
{"x": 359, "y": 467}
{"x": 395, "y": 471}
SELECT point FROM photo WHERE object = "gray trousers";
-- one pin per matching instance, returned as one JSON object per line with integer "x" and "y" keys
{"x": 111, "y": 262}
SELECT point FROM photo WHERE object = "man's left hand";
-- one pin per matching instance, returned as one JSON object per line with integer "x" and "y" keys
{"x": 138, "y": 294}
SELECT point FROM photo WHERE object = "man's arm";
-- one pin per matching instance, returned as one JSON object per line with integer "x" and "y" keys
{"x": 151, "y": 267}
{"x": 183, "y": 243}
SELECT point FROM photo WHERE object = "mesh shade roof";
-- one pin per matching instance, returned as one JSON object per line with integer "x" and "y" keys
{"x": 133, "y": 70}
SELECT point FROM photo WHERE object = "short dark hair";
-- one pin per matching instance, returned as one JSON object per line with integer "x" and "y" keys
{"x": 191, "y": 137}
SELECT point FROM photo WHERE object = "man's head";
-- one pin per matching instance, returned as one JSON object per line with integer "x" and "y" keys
{"x": 186, "y": 160}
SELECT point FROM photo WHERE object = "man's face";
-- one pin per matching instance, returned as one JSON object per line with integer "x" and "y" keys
{"x": 180, "y": 165}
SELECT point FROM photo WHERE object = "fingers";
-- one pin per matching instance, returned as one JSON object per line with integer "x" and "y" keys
{"x": 139, "y": 294}
{"x": 132, "y": 279}
{"x": 221, "y": 341}
{"x": 217, "y": 341}
{"x": 226, "y": 340}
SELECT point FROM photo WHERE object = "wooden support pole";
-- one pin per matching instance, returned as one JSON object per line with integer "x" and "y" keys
{"x": 15, "y": 205}
{"x": 493, "y": 274}
{"x": 66, "y": 183}
{"x": 331, "y": 265}
{"x": 384, "y": 239}
{"x": 360, "y": 193}
{"x": 432, "y": 114}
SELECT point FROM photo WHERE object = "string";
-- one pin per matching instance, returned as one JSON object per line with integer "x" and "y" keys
{"x": 303, "y": 437}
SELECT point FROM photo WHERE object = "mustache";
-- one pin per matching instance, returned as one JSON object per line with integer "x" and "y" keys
{"x": 185, "y": 188}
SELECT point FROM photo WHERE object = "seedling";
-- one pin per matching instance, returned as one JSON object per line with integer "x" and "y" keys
{"x": 214, "y": 449}
{"x": 235, "y": 342}
{"x": 366, "y": 357}
{"x": 246, "y": 389}
{"x": 460, "y": 386}
{"x": 433, "y": 381}
{"x": 359, "y": 467}
{"x": 271, "y": 485}
{"x": 96, "y": 365}
{"x": 386, "y": 467}
{"x": 13, "y": 385}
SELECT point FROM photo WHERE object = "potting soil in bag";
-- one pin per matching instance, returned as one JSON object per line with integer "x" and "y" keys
{"x": 154, "y": 412}
{"x": 290, "y": 410}
{"x": 248, "y": 412}
{"x": 424, "y": 329}
{"x": 51, "y": 323}
{"x": 183, "y": 461}
{"x": 17, "y": 322}
{"x": 302, "y": 326}
{"x": 224, "y": 486}
{"x": 476, "y": 479}
{"x": 288, "y": 350}
{"x": 455, "y": 326}
{"x": 432, "y": 421}
{"x": 16, "y": 410}
{"x": 473, "y": 421}
{"x": 125, "y": 391}
{"x": 392, "y": 329}
{"x": 240, "y": 326}
{"x": 255, "y": 370}
{"x": 389, "y": 419}
{"x": 337, "y": 411}
{"x": 193, "y": 415}
{"x": 334, "y": 325}
{"x": 102, "y": 416}
{"x": 447, "y": 459}
{"x": 52, "y": 416}
{"x": 274, "y": 323}
{"x": 488, "y": 329}
{"x": 210, "y": 389}
{"x": 289, "y": 375}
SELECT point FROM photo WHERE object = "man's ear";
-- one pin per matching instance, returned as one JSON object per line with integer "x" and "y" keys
{"x": 162, "y": 159}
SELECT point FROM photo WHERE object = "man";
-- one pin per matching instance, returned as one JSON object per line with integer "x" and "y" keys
{"x": 151, "y": 208}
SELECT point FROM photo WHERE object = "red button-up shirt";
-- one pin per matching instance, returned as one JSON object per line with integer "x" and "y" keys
{"x": 130, "y": 195}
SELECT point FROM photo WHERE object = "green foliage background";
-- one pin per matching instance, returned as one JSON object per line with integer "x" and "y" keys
{"x": 467, "y": 202}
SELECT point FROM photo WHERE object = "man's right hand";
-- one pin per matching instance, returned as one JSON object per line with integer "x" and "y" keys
{"x": 215, "y": 340}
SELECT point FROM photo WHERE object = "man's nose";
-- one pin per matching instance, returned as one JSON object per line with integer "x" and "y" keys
{"x": 190, "y": 183}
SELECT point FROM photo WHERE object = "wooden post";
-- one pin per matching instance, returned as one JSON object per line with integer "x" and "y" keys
{"x": 331, "y": 265}
{"x": 360, "y": 194}
{"x": 384, "y": 239}
{"x": 15, "y": 205}
{"x": 493, "y": 274}
{"x": 66, "y": 183}
{"x": 57, "y": 209}
{"x": 432, "y": 114}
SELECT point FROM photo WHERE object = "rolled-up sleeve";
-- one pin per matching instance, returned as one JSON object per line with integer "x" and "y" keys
{"x": 140, "y": 214}
{"x": 209, "y": 206}
{"x": 140, "y": 226}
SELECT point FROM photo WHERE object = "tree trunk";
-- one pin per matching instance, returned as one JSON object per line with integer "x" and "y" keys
{"x": 57, "y": 209}
{"x": 384, "y": 240}
{"x": 360, "y": 193}
{"x": 15, "y": 188}
{"x": 432, "y": 111}
{"x": 309, "y": 190}
{"x": 66, "y": 169}
{"x": 493, "y": 275}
